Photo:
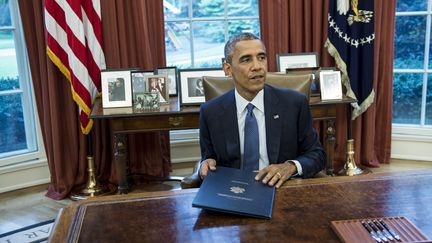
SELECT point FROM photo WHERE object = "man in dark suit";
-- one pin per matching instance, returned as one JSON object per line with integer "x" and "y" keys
{"x": 288, "y": 144}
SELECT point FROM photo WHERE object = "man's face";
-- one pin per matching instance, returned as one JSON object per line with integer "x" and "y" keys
{"x": 248, "y": 67}
{"x": 153, "y": 82}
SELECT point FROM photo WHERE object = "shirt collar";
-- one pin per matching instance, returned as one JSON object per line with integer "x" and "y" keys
{"x": 258, "y": 101}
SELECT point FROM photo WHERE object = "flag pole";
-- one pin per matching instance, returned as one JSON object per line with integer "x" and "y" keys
{"x": 350, "y": 167}
{"x": 92, "y": 188}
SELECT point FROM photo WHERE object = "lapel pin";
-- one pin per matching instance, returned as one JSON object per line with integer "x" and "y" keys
{"x": 275, "y": 117}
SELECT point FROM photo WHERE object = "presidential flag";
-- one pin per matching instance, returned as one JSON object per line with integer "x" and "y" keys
{"x": 351, "y": 43}
{"x": 74, "y": 45}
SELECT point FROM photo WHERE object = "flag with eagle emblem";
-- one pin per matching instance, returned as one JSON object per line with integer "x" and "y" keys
{"x": 351, "y": 43}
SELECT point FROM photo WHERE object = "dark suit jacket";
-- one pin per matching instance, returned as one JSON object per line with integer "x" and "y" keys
{"x": 289, "y": 131}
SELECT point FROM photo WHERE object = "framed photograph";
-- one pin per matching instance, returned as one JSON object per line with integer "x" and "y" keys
{"x": 315, "y": 72}
{"x": 331, "y": 86}
{"x": 146, "y": 101}
{"x": 139, "y": 81}
{"x": 296, "y": 60}
{"x": 116, "y": 88}
{"x": 171, "y": 72}
{"x": 159, "y": 84}
{"x": 191, "y": 87}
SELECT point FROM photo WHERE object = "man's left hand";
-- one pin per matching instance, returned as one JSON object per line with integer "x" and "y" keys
{"x": 276, "y": 173}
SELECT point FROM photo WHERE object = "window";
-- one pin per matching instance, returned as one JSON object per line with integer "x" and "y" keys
{"x": 412, "y": 82}
{"x": 196, "y": 30}
{"x": 18, "y": 130}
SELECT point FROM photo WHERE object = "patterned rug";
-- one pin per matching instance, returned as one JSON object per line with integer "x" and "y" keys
{"x": 31, "y": 234}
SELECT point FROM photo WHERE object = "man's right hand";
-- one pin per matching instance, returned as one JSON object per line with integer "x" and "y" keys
{"x": 206, "y": 165}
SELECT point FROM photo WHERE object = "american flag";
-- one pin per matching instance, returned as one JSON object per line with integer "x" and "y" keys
{"x": 74, "y": 45}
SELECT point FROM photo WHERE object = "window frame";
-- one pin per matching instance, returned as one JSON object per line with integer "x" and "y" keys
{"x": 402, "y": 128}
{"x": 35, "y": 148}
{"x": 190, "y": 20}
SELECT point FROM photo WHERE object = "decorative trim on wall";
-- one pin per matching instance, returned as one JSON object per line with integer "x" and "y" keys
{"x": 411, "y": 147}
{"x": 24, "y": 175}
{"x": 185, "y": 150}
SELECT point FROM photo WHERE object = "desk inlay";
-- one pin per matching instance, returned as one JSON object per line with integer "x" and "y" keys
{"x": 174, "y": 117}
{"x": 302, "y": 212}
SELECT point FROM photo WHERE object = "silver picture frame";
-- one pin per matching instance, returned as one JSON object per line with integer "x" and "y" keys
{"x": 171, "y": 72}
{"x": 116, "y": 88}
{"x": 191, "y": 88}
{"x": 296, "y": 60}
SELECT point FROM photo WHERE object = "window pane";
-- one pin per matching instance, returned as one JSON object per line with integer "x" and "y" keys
{"x": 12, "y": 132}
{"x": 411, "y": 5}
{"x": 239, "y": 26}
{"x": 176, "y": 9}
{"x": 409, "y": 41}
{"x": 429, "y": 101}
{"x": 8, "y": 63}
{"x": 5, "y": 17}
{"x": 211, "y": 28}
{"x": 430, "y": 53}
{"x": 209, "y": 41}
{"x": 177, "y": 44}
{"x": 242, "y": 8}
{"x": 208, "y": 8}
{"x": 407, "y": 95}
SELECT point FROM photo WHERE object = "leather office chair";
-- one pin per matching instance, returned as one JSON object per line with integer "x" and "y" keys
{"x": 216, "y": 86}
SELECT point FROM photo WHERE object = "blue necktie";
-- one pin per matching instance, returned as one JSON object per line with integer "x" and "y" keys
{"x": 251, "y": 141}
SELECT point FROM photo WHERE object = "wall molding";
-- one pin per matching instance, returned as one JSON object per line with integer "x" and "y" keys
{"x": 185, "y": 150}
{"x": 411, "y": 147}
{"x": 23, "y": 175}
{"x": 411, "y": 142}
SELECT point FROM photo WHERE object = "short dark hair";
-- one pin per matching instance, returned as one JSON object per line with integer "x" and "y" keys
{"x": 229, "y": 46}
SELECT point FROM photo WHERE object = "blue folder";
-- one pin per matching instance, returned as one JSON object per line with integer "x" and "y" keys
{"x": 235, "y": 191}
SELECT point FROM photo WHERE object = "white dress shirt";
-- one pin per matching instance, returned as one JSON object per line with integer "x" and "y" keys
{"x": 259, "y": 112}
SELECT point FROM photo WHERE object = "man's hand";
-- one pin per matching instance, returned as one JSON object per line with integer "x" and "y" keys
{"x": 276, "y": 173}
{"x": 206, "y": 165}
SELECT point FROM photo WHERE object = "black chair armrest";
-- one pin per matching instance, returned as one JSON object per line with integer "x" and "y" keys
{"x": 194, "y": 180}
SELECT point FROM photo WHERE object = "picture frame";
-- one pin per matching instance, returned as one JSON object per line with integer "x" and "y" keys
{"x": 331, "y": 85}
{"x": 146, "y": 101}
{"x": 315, "y": 72}
{"x": 171, "y": 72}
{"x": 159, "y": 84}
{"x": 139, "y": 80}
{"x": 116, "y": 88}
{"x": 191, "y": 93}
{"x": 297, "y": 60}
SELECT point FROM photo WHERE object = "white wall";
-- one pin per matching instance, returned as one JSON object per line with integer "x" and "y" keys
{"x": 411, "y": 143}
{"x": 19, "y": 176}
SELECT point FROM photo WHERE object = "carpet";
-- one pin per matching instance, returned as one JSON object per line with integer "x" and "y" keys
{"x": 31, "y": 234}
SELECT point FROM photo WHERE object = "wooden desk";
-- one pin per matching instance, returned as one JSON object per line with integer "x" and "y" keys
{"x": 302, "y": 212}
{"x": 174, "y": 117}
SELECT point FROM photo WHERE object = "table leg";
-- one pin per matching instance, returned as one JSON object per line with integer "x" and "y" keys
{"x": 120, "y": 159}
{"x": 330, "y": 143}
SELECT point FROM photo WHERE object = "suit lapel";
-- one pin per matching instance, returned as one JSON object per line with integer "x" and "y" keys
{"x": 228, "y": 118}
{"x": 273, "y": 123}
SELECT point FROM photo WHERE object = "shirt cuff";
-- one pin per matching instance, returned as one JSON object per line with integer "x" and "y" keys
{"x": 298, "y": 166}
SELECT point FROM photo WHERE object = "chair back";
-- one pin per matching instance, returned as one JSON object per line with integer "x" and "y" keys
{"x": 216, "y": 86}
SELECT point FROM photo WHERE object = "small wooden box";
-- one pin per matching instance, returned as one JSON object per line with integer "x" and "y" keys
{"x": 353, "y": 231}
